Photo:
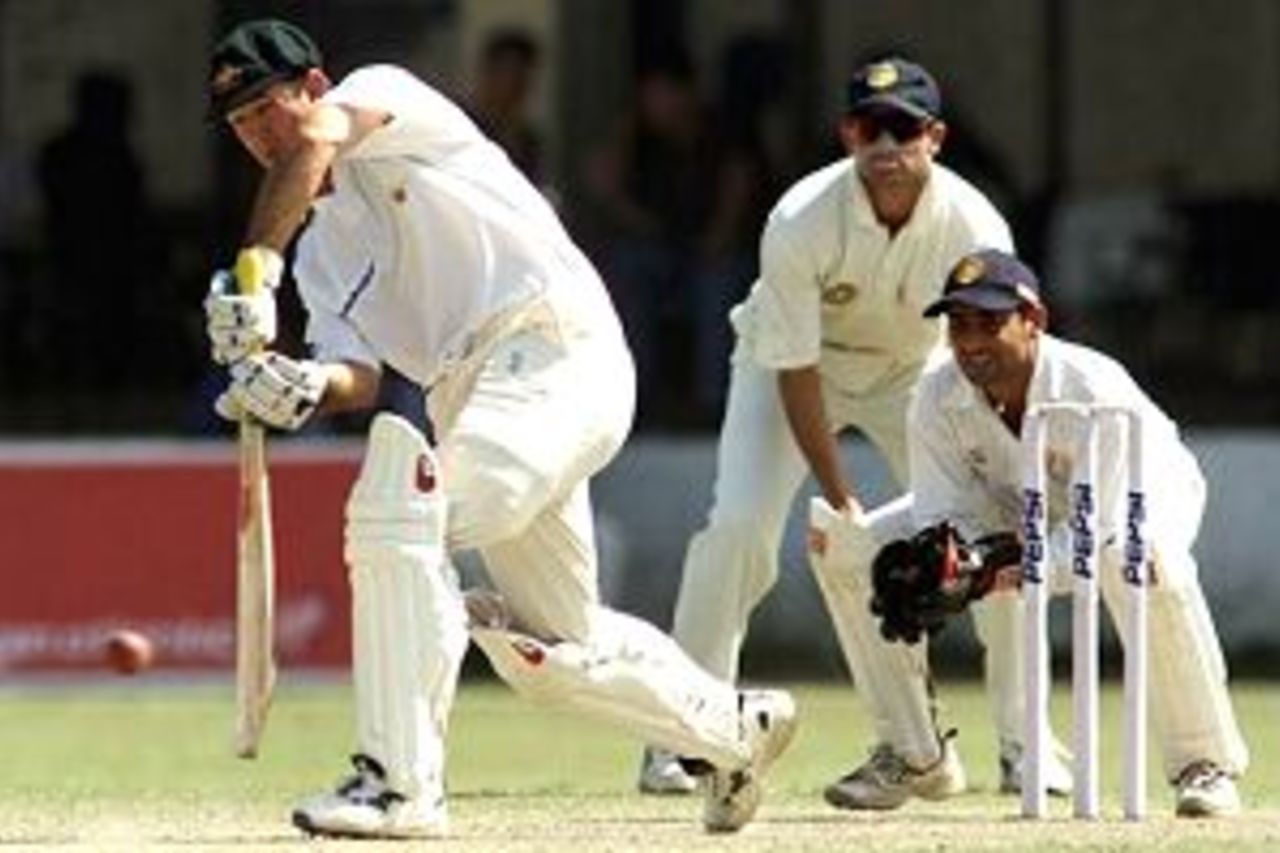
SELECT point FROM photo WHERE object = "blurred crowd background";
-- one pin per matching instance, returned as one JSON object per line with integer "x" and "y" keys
{"x": 1134, "y": 147}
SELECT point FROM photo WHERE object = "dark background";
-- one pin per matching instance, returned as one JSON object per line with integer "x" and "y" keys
{"x": 1135, "y": 148}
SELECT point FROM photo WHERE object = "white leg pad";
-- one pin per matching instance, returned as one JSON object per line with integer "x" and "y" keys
{"x": 408, "y": 622}
{"x": 1189, "y": 702}
{"x": 997, "y": 620}
{"x": 892, "y": 678}
{"x": 629, "y": 674}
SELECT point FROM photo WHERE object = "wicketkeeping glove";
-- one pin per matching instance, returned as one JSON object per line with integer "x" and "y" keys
{"x": 241, "y": 315}
{"x": 919, "y": 582}
{"x": 272, "y": 388}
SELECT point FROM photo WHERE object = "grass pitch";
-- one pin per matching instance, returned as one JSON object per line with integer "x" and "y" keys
{"x": 147, "y": 764}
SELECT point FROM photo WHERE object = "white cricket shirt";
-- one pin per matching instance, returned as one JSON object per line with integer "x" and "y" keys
{"x": 837, "y": 290}
{"x": 429, "y": 237}
{"x": 966, "y": 464}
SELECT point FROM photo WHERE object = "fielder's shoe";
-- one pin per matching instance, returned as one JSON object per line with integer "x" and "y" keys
{"x": 886, "y": 781}
{"x": 364, "y": 807}
{"x": 661, "y": 773}
{"x": 1057, "y": 772}
{"x": 768, "y": 720}
{"x": 1206, "y": 790}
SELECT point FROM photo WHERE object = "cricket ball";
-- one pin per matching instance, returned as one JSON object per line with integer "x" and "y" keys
{"x": 129, "y": 652}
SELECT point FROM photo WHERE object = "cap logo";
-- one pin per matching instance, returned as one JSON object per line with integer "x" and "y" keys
{"x": 968, "y": 271}
{"x": 226, "y": 78}
{"x": 882, "y": 75}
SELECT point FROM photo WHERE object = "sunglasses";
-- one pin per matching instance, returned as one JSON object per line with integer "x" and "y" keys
{"x": 903, "y": 127}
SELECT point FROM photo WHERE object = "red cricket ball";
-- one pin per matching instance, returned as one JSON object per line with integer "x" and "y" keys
{"x": 129, "y": 652}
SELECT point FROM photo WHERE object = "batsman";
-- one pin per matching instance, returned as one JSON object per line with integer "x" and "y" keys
{"x": 424, "y": 248}
{"x": 965, "y": 424}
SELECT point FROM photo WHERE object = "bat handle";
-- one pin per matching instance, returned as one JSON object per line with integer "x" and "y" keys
{"x": 251, "y": 269}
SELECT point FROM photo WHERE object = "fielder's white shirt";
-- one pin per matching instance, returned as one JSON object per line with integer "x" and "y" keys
{"x": 966, "y": 464}
{"x": 837, "y": 290}
{"x": 429, "y": 237}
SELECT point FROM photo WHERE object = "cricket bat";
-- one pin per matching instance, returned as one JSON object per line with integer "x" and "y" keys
{"x": 255, "y": 566}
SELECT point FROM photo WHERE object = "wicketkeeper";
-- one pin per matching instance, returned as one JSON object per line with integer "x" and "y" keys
{"x": 966, "y": 477}
{"x": 427, "y": 250}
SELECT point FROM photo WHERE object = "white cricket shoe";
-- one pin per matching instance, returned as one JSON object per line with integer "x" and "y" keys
{"x": 662, "y": 773}
{"x": 363, "y": 806}
{"x": 1206, "y": 790}
{"x": 886, "y": 781}
{"x": 768, "y": 721}
{"x": 1058, "y": 781}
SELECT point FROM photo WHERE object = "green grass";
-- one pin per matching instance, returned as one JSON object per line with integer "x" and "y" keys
{"x": 141, "y": 764}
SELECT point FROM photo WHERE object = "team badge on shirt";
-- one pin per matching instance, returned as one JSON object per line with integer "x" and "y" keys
{"x": 840, "y": 294}
{"x": 1058, "y": 465}
{"x": 977, "y": 458}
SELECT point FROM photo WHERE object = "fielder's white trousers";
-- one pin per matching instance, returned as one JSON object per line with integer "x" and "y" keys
{"x": 733, "y": 562}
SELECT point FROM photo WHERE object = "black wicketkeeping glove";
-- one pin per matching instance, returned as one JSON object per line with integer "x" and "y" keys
{"x": 919, "y": 582}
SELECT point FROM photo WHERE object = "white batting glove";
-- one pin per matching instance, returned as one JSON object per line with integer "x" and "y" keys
{"x": 272, "y": 388}
{"x": 241, "y": 316}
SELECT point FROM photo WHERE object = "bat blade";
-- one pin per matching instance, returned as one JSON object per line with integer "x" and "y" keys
{"x": 255, "y": 594}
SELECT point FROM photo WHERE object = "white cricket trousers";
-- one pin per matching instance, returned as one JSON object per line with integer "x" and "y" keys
{"x": 545, "y": 407}
{"x": 733, "y": 562}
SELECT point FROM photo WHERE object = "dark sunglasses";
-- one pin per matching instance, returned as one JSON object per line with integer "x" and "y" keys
{"x": 903, "y": 127}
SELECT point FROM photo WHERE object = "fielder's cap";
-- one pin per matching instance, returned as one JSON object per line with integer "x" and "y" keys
{"x": 894, "y": 83}
{"x": 253, "y": 56}
{"x": 989, "y": 280}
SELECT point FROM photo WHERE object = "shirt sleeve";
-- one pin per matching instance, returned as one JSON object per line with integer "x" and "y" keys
{"x": 786, "y": 309}
{"x": 422, "y": 122}
{"x": 333, "y": 339}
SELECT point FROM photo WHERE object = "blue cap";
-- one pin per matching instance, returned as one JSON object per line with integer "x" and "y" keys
{"x": 989, "y": 280}
{"x": 896, "y": 84}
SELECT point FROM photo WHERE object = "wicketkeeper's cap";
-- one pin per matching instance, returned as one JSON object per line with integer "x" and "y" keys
{"x": 253, "y": 56}
{"x": 893, "y": 83}
{"x": 989, "y": 280}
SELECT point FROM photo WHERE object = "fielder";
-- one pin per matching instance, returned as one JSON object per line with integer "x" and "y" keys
{"x": 426, "y": 249}
{"x": 965, "y": 453}
{"x": 832, "y": 337}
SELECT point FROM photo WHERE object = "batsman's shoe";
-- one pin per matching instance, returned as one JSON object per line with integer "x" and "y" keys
{"x": 1057, "y": 772}
{"x": 661, "y": 773}
{"x": 768, "y": 721}
{"x": 1206, "y": 790}
{"x": 886, "y": 781}
{"x": 363, "y": 806}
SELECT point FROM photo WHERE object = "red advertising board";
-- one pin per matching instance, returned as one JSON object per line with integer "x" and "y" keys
{"x": 97, "y": 537}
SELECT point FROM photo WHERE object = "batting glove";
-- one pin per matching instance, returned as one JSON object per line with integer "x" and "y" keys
{"x": 272, "y": 388}
{"x": 241, "y": 315}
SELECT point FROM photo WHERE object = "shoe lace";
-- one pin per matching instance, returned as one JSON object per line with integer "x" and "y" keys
{"x": 1199, "y": 775}
{"x": 887, "y": 765}
{"x": 883, "y": 764}
{"x": 368, "y": 785}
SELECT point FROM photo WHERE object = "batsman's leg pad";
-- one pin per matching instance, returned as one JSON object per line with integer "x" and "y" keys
{"x": 628, "y": 674}
{"x": 408, "y": 622}
{"x": 727, "y": 571}
{"x": 891, "y": 678}
{"x": 1189, "y": 702}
